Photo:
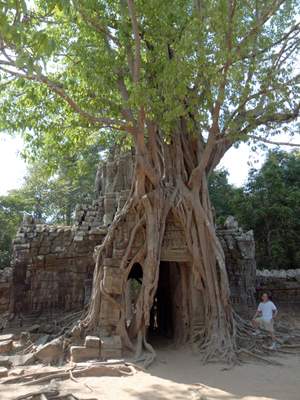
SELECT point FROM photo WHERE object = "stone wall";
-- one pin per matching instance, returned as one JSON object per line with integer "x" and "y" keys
{"x": 239, "y": 248}
{"x": 283, "y": 285}
{"x": 53, "y": 265}
{"x": 6, "y": 277}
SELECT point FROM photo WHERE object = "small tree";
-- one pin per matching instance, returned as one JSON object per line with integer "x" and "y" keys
{"x": 181, "y": 81}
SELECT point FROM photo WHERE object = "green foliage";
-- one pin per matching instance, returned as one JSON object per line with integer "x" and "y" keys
{"x": 48, "y": 197}
{"x": 12, "y": 208}
{"x": 67, "y": 69}
{"x": 222, "y": 195}
{"x": 53, "y": 197}
{"x": 271, "y": 207}
{"x": 269, "y": 204}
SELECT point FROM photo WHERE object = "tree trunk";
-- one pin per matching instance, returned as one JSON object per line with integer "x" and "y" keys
{"x": 171, "y": 177}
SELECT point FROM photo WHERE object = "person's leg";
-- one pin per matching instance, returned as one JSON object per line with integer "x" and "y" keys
{"x": 270, "y": 326}
{"x": 256, "y": 323}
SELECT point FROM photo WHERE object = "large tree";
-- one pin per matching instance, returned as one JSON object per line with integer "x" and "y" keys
{"x": 180, "y": 80}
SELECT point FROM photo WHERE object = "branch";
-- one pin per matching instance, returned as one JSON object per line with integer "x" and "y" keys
{"x": 261, "y": 139}
{"x": 260, "y": 22}
{"x": 231, "y": 5}
{"x": 103, "y": 30}
{"x": 137, "y": 40}
{"x": 60, "y": 91}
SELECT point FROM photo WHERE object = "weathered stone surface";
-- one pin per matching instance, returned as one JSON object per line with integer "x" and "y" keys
{"x": 111, "y": 347}
{"x": 6, "y": 346}
{"x": 284, "y": 285}
{"x": 6, "y": 282}
{"x": 50, "y": 352}
{"x": 24, "y": 338}
{"x": 3, "y": 372}
{"x": 92, "y": 342}
{"x": 22, "y": 359}
{"x": 81, "y": 353}
{"x": 9, "y": 336}
{"x": 53, "y": 265}
{"x": 113, "y": 280}
{"x": 5, "y": 361}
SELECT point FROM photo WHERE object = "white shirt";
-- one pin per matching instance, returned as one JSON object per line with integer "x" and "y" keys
{"x": 267, "y": 309}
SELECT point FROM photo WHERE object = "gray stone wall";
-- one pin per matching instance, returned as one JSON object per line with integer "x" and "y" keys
{"x": 283, "y": 285}
{"x": 53, "y": 265}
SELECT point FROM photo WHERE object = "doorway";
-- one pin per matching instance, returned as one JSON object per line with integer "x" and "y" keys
{"x": 170, "y": 313}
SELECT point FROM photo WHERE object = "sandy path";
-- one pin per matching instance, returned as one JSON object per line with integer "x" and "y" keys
{"x": 178, "y": 375}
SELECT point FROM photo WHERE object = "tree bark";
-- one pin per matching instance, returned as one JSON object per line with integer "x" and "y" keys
{"x": 172, "y": 177}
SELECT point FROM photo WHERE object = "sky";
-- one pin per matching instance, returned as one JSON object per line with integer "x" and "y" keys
{"x": 236, "y": 161}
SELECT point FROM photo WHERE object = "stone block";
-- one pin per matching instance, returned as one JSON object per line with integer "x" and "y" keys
{"x": 111, "y": 353}
{"x": 5, "y": 361}
{"x": 109, "y": 312}
{"x": 113, "y": 341}
{"x": 21, "y": 359}
{"x": 50, "y": 352}
{"x": 92, "y": 342}
{"x": 112, "y": 262}
{"x": 111, "y": 347}
{"x": 9, "y": 336}
{"x": 113, "y": 280}
{"x": 6, "y": 346}
{"x": 3, "y": 372}
{"x": 81, "y": 353}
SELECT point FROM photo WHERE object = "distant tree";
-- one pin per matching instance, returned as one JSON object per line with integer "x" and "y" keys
{"x": 55, "y": 193}
{"x": 222, "y": 195}
{"x": 12, "y": 208}
{"x": 271, "y": 207}
{"x": 47, "y": 195}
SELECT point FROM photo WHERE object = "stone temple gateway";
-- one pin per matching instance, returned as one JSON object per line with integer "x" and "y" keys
{"x": 53, "y": 265}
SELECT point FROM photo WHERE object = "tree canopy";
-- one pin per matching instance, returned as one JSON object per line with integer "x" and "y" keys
{"x": 268, "y": 204}
{"x": 77, "y": 73}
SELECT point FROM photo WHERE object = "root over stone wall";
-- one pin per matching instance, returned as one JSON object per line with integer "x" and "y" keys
{"x": 53, "y": 265}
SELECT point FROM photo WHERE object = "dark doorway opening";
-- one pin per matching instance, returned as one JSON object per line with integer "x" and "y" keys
{"x": 169, "y": 319}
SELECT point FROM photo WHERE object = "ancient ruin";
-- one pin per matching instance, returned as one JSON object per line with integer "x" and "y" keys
{"x": 53, "y": 266}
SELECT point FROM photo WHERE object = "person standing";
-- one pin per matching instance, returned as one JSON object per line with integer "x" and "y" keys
{"x": 264, "y": 317}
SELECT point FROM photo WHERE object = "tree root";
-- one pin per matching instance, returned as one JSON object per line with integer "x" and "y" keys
{"x": 258, "y": 357}
{"x": 53, "y": 393}
{"x": 117, "y": 370}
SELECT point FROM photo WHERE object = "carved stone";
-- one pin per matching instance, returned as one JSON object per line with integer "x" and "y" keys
{"x": 53, "y": 265}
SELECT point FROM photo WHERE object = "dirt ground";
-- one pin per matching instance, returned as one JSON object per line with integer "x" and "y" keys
{"x": 179, "y": 375}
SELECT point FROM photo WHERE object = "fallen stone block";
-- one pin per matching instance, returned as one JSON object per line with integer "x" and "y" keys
{"x": 92, "y": 342}
{"x": 9, "y": 336}
{"x": 6, "y": 346}
{"x": 111, "y": 353}
{"x": 5, "y": 361}
{"x": 19, "y": 360}
{"x": 3, "y": 372}
{"x": 80, "y": 353}
{"x": 111, "y": 347}
{"x": 50, "y": 352}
